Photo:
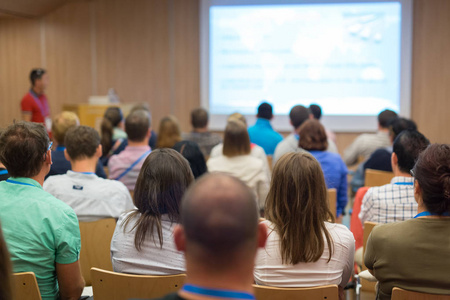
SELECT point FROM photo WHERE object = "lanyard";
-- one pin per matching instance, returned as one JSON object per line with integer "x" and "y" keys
{"x": 3, "y": 172}
{"x": 18, "y": 182}
{"x": 194, "y": 289}
{"x": 427, "y": 213}
{"x": 87, "y": 173}
{"x": 44, "y": 110}
{"x": 404, "y": 183}
{"x": 132, "y": 165}
{"x": 60, "y": 148}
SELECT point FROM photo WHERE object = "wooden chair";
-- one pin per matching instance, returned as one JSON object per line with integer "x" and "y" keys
{"x": 96, "y": 246}
{"x": 270, "y": 161}
{"x": 117, "y": 286}
{"x": 401, "y": 294}
{"x": 367, "y": 286}
{"x": 328, "y": 292}
{"x": 377, "y": 178}
{"x": 332, "y": 199}
{"x": 25, "y": 286}
{"x": 106, "y": 171}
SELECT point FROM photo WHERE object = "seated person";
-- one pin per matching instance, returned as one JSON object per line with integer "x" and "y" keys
{"x": 200, "y": 134}
{"x": 63, "y": 122}
{"x": 169, "y": 132}
{"x": 126, "y": 165}
{"x": 314, "y": 139}
{"x": 395, "y": 201}
{"x": 413, "y": 254}
{"x": 262, "y": 133}
{"x": 112, "y": 134}
{"x": 91, "y": 197}
{"x": 316, "y": 111}
{"x": 303, "y": 248}
{"x": 237, "y": 161}
{"x": 143, "y": 239}
{"x": 193, "y": 154}
{"x": 298, "y": 115}
{"x": 41, "y": 231}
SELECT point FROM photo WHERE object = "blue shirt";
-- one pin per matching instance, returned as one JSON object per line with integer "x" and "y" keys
{"x": 335, "y": 173}
{"x": 61, "y": 165}
{"x": 263, "y": 135}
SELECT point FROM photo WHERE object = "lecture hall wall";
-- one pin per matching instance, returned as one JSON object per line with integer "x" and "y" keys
{"x": 149, "y": 52}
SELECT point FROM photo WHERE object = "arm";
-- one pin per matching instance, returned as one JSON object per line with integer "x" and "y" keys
{"x": 342, "y": 191}
{"x": 351, "y": 154}
{"x": 70, "y": 281}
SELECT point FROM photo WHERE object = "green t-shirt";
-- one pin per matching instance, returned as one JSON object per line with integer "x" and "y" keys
{"x": 413, "y": 255}
{"x": 39, "y": 230}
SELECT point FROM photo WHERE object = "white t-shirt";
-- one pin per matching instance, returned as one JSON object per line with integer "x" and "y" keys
{"x": 152, "y": 259}
{"x": 247, "y": 168}
{"x": 91, "y": 197}
{"x": 270, "y": 271}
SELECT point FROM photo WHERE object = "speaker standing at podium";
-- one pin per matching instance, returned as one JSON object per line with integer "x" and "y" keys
{"x": 34, "y": 104}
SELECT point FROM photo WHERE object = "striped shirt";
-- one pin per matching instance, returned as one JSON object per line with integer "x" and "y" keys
{"x": 389, "y": 203}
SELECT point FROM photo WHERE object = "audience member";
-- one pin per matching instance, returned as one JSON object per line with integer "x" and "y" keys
{"x": 191, "y": 151}
{"x": 41, "y": 231}
{"x": 154, "y": 136}
{"x": 365, "y": 144}
{"x": 219, "y": 234}
{"x": 60, "y": 125}
{"x": 298, "y": 115}
{"x": 143, "y": 239}
{"x": 237, "y": 161}
{"x": 316, "y": 111}
{"x": 200, "y": 134}
{"x": 126, "y": 165}
{"x": 262, "y": 133}
{"x": 395, "y": 201}
{"x": 413, "y": 254}
{"x": 303, "y": 247}
{"x": 314, "y": 139}
{"x": 91, "y": 197}
{"x": 112, "y": 134}
{"x": 5, "y": 270}
{"x": 169, "y": 132}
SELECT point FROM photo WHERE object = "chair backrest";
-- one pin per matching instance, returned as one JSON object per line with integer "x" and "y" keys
{"x": 401, "y": 294}
{"x": 270, "y": 161}
{"x": 367, "y": 286}
{"x": 328, "y": 292}
{"x": 25, "y": 286}
{"x": 109, "y": 285}
{"x": 96, "y": 246}
{"x": 332, "y": 199}
{"x": 377, "y": 178}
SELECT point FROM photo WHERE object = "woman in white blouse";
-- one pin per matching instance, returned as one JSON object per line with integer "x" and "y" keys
{"x": 303, "y": 249}
{"x": 237, "y": 161}
{"x": 143, "y": 241}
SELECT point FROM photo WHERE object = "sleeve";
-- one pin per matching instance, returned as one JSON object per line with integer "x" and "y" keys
{"x": 350, "y": 261}
{"x": 351, "y": 154}
{"x": 26, "y": 105}
{"x": 68, "y": 240}
{"x": 366, "y": 205}
{"x": 129, "y": 205}
{"x": 342, "y": 190}
{"x": 369, "y": 252}
{"x": 99, "y": 170}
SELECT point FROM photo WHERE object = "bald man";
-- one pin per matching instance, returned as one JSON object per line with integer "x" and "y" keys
{"x": 219, "y": 234}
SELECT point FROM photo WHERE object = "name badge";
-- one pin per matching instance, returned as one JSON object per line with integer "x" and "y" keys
{"x": 78, "y": 187}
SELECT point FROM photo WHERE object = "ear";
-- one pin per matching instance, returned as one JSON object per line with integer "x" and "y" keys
{"x": 179, "y": 238}
{"x": 66, "y": 155}
{"x": 262, "y": 235}
{"x": 394, "y": 160}
{"x": 149, "y": 133}
{"x": 417, "y": 192}
{"x": 99, "y": 151}
{"x": 311, "y": 116}
{"x": 48, "y": 157}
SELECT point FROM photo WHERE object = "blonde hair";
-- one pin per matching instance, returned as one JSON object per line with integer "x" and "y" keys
{"x": 236, "y": 140}
{"x": 169, "y": 132}
{"x": 297, "y": 206}
{"x": 237, "y": 116}
{"x": 62, "y": 123}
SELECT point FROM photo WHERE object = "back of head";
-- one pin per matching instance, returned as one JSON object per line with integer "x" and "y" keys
{"x": 236, "y": 140}
{"x": 111, "y": 119}
{"x": 407, "y": 147}
{"x": 191, "y": 151}
{"x": 5, "y": 270}
{"x": 199, "y": 118}
{"x": 313, "y": 136}
{"x": 36, "y": 74}
{"x": 316, "y": 111}
{"x": 22, "y": 148}
{"x": 61, "y": 123}
{"x": 81, "y": 142}
{"x": 137, "y": 125}
{"x": 237, "y": 116}
{"x": 385, "y": 117}
{"x": 297, "y": 206}
{"x": 397, "y": 125}
{"x": 432, "y": 172}
{"x": 169, "y": 132}
{"x": 265, "y": 111}
{"x": 220, "y": 219}
{"x": 298, "y": 115}
{"x": 162, "y": 181}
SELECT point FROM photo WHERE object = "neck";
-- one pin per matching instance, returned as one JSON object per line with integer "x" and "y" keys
{"x": 201, "y": 130}
{"x": 40, "y": 177}
{"x": 85, "y": 165}
{"x": 398, "y": 173}
{"x": 135, "y": 144}
{"x": 381, "y": 129}
{"x": 37, "y": 91}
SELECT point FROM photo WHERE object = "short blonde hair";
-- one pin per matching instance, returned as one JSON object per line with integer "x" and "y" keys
{"x": 237, "y": 116}
{"x": 236, "y": 141}
{"x": 63, "y": 122}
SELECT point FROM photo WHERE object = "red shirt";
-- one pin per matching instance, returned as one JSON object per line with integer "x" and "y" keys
{"x": 37, "y": 105}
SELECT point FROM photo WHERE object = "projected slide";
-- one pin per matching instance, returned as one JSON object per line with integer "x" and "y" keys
{"x": 344, "y": 57}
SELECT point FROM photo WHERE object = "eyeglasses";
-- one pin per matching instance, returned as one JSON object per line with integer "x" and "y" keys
{"x": 412, "y": 173}
{"x": 50, "y": 146}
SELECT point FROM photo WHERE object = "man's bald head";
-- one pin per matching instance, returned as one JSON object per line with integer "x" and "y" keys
{"x": 219, "y": 215}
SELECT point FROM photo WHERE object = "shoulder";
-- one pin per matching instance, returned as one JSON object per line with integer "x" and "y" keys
{"x": 341, "y": 231}
{"x": 55, "y": 207}
{"x": 52, "y": 181}
{"x": 392, "y": 230}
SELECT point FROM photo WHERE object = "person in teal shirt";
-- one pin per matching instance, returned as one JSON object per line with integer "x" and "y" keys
{"x": 42, "y": 232}
{"x": 262, "y": 133}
